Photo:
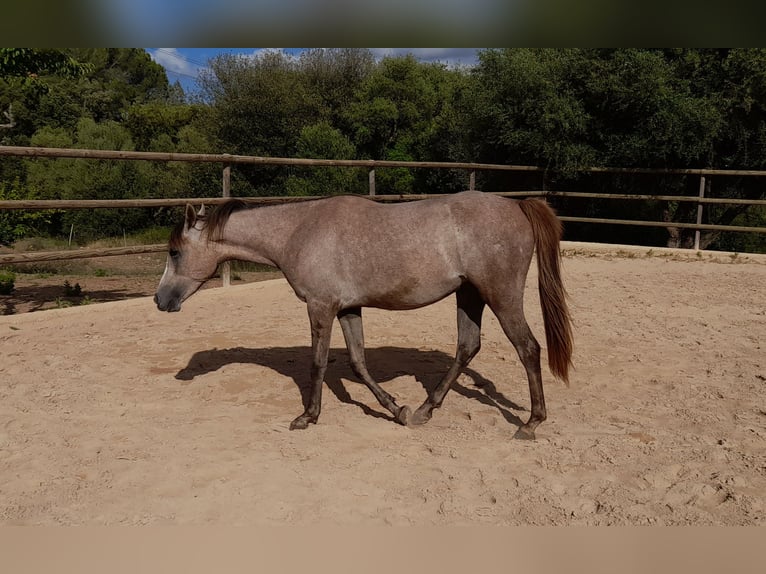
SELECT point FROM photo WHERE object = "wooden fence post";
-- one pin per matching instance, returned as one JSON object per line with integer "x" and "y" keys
{"x": 372, "y": 182}
{"x": 472, "y": 180}
{"x": 226, "y": 267}
{"x": 699, "y": 214}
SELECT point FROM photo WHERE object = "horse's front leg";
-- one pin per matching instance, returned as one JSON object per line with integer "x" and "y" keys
{"x": 321, "y": 318}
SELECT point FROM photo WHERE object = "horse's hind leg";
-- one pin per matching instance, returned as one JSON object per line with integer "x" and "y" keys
{"x": 470, "y": 307}
{"x": 351, "y": 323}
{"x": 511, "y": 317}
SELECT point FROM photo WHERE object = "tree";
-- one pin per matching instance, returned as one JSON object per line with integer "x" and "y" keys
{"x": 17, "y": 224}
{"x": 120, "y": 100}
{"x": 322, "y": 141}
{"x": 568, "y": 109}
{"x": 62, "y": 90}
{"x": 91, "y": 179}
{"x": 25, "y": 75}
{"x": 31, "y": 65}
{"x": 258, "y": 106}
{"x": 524, "y": 107}
{"x": 121, "y": 77}
{"x": 334, "y": 75}
{"x": 645, "y": 111}
{"x": 151, "y": 121}
{"x": 404, "y": 111}
{"x": 731, "y": 83}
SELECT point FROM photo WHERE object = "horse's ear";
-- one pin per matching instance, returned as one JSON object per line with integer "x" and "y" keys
{"x": 201, "y": 212}
{"x": 191, "y": 217}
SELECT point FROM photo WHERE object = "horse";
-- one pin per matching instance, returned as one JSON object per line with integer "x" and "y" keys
{"x": 343, "y": 253}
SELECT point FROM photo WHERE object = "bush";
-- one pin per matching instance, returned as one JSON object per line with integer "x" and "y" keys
{"x": 7, "y": 280}
{"x": 72, "y": 291}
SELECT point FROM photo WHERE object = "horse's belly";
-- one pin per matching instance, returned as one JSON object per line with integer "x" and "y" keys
{"x": 405, "y": 293}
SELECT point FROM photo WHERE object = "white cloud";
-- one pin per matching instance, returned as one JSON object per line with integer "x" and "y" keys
{"x": 173, "y": 61}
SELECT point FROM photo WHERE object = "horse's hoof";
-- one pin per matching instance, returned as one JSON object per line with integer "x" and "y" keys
{"x": 524, "y": 434}
{"x": 404, "y": 415}
{"x": 301, "y": 422}
{"x": 420, "y": 416}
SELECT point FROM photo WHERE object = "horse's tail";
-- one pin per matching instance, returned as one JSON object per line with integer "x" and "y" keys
{"x": 547, "y": 230}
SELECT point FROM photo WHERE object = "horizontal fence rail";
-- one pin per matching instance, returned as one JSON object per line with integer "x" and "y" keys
{"x": 35, "y": 152}
{"x": 227, "y": 160}
{"x": 21, "y": 151}
{"x": 43, "y": 204}
{"x": 697, "y": 226}
{"x": 42, "y": 256}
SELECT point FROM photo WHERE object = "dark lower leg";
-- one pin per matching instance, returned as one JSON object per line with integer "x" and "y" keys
{"x": 509, "y": 310}
{"x": 351, "y": 323}
{"x": 423, "y": 414}
{"x": 469, "y": 312}
{"x": 311, "y": 413}
{"x": 529, "y": 352}
{"x": 538, "y": 413}
{"x": 321, "y": 328}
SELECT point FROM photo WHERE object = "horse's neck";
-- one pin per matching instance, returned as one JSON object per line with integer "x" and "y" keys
{"x": 259, "y": 235}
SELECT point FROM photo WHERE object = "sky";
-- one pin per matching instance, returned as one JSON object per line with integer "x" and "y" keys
{"x": 184, "y": 64}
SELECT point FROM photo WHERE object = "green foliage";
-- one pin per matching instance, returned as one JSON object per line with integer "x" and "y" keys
{"x": 259, "y": 105}
{"x": 28, "y": 65}
{"x": 569, "y": 109}
{"x": 334, "y": 76}
{"x": 151, "y": 235}
{"x": 94, "y": 83}
{"x": 398, "y": 180}
{"x": 155, "y": 126}
{"x": 524, "y": 108}
{"x": 121, "y": 77}
{"x": 398, "y": 106}
{"x": 322, "y": 141}
{"x": 646, "y": 113}
{"x": 561, "y": 109}
{"x": 17, "y": 224}
{"x": 7, "y": 282}
{"x": 72, "y": 290}
{"x": 91, "y": 179}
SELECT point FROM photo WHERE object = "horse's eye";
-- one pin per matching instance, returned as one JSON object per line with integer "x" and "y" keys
{"x": 174, "y": 253}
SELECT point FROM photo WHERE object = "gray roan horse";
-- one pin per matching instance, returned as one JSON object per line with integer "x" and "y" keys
{"x": 343, "y": 253}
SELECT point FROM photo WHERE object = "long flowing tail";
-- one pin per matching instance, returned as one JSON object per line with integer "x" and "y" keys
{"x": 547, "y": 231}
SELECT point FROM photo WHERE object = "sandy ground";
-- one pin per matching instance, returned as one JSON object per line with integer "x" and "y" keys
{"x": 118, "y": 414}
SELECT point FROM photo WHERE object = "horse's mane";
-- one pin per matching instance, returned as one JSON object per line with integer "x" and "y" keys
{"x": 213, "y": 223}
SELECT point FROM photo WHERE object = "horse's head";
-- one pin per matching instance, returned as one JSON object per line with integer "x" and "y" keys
{"x": 191, "y": 261}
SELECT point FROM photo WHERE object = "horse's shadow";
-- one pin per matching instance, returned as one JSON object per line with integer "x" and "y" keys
{"x": 384, "y": 364}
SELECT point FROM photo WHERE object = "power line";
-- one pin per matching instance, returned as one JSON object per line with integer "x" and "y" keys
{"x": 180, "y": 74}
{"x": 176, "y": 54}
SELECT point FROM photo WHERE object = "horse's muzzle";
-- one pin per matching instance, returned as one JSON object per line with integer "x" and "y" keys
{"x": 170, "y": 305}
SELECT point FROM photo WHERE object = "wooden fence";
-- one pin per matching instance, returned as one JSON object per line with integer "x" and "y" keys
{"x": 228, "y": 160}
